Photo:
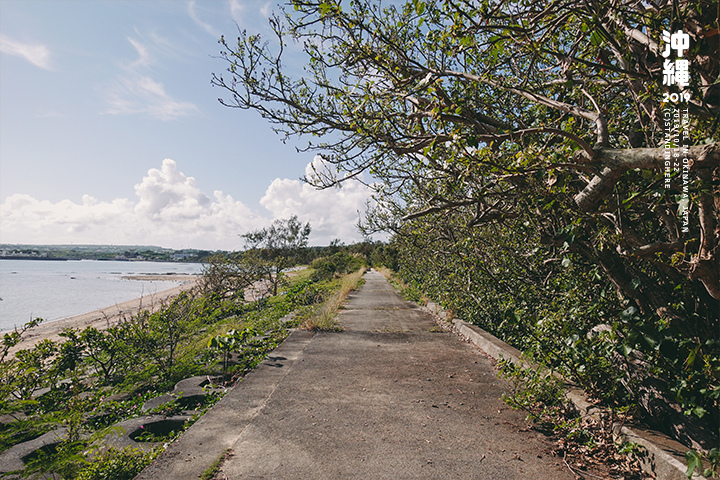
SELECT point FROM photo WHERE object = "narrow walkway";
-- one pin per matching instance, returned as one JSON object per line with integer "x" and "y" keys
{"x": 386, "y": 398}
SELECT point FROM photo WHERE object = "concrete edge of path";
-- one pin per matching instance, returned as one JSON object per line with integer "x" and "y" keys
{"x": 665, "y": 456}
{"x": 207, "y": 440}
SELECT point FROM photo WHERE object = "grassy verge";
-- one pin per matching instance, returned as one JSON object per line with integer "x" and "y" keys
{"x": 213, "y": 469}
{"x": 586, "y": 444}
{"x": 324, "y": 317}
{"x": 408, "y": 292}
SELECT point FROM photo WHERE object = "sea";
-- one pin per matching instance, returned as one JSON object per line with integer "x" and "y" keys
{"x": 53, "y": 290}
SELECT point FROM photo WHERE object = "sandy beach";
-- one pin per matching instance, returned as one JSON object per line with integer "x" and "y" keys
{"x": 107, "y": 316}
{"x": 110, "y": 315}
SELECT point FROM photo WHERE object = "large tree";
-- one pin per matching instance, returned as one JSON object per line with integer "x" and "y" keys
{"x": 492, "y": 112}
{"x": 491, "y": 106}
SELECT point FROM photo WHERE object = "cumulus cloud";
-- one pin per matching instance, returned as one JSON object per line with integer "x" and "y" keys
{"x": 171, "y": 210}
{"x": 333, "y": 212}
{"x": 35, "y": 53}
{"x": 25, "y": 219}
{"x": 167, "y": 194}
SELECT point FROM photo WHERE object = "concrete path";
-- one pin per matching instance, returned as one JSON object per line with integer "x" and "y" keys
{"x": 386, "y": 398}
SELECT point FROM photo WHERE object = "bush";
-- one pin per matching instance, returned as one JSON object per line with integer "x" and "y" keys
{"x": 339, "y": 263}
{"x": 304, "y": 293}
{"x": 115, "y": 464}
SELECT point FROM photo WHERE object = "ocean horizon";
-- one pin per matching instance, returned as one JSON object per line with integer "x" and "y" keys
{"x": 54, "y": 290}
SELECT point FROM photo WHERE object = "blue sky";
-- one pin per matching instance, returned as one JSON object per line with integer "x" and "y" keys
{"x": 110, "y": 131}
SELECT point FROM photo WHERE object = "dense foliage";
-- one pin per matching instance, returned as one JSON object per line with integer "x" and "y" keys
{"x": 519, "y": 152}
{"x": 95, "y": 378}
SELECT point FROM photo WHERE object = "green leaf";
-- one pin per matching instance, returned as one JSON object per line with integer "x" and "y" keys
{"x": 596, "y": 38}
{"x": 694, "y": 461}
{"x": 325, "y": 8}
{"x": 699, "y": 411}
{"x": 628, "y": 313}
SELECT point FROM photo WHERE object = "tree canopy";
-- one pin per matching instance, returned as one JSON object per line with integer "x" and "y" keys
{"x": 484, "y": 120}
{"x": 285, "y": 238}
{"x": 491, "y": 108}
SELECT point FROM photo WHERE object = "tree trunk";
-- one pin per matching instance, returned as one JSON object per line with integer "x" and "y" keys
{"x": 668, "y": 418}
{"x": 618, "y": 161}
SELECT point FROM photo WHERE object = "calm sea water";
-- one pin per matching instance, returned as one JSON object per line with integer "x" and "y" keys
{"x": 56, "y": 289}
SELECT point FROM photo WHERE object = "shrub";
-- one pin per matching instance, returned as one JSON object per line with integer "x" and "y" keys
{"x": 115, "y": 464}
{"x": 304, "y": 293}
{"x": 338, "y": 263}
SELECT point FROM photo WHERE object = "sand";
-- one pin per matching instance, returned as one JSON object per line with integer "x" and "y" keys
{"x": 184, "y": 277}
{"x": 112, "y": 314}
{"x": 105, "y": 317}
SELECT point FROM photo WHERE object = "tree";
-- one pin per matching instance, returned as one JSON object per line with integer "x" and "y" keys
{"x": 229, "y": 342}
{"x": 491, "y": 107}
{"x": 277, "y": 247}
{"x": 104, "y": 350}
{"x": 229, "y": 275}
{"x": 168, "y": 328}
{"x": 478, "y": 116}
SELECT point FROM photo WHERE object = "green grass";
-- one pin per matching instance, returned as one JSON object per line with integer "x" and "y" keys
{"x": 213, "y": 469}
{"x": 324, "y": 318}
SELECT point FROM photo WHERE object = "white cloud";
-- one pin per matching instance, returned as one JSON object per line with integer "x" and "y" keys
{"x": 237, "y": 11}
{"x": 37, "y": 54}
{"x": 195, "y": 18}
{"x": 171, "y": 210}
{"x": 144, "y": 59}
{"x": 26, "y": 218}
{"x": 251, "y": 14}
{"x": 168, "y": 195}
{"x": 266, "y": 10}
{"x": 136, "y": 92}
{"x": 332, "y": 213}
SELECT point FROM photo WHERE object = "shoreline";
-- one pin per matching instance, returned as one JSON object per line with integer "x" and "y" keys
{"x": 103, "y": 317}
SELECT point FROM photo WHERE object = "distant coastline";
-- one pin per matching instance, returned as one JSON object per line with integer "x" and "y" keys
{"x": 118, "y": 253}
{"x": 15, "y": 257}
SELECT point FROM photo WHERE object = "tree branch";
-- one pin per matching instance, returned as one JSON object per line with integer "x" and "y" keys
{"x": 617, "y": 162}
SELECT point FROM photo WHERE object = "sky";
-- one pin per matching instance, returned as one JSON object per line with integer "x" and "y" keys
{"x": 111, "y": 132}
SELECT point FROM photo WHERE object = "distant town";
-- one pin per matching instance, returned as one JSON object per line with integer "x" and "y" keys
{"x": 102, "y": 252}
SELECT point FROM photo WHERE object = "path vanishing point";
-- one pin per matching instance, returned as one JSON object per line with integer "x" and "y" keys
{"x": 388, "y": 397}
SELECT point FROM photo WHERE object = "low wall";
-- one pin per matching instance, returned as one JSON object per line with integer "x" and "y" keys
{"x": 665, "y": 456}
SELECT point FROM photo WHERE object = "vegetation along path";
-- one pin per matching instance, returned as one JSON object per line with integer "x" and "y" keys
{"x": 386, "y": 397}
